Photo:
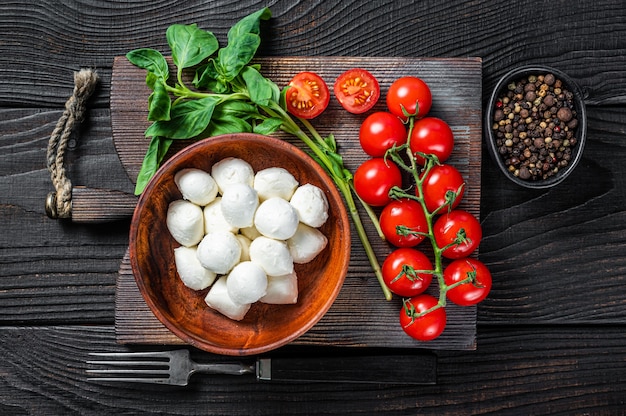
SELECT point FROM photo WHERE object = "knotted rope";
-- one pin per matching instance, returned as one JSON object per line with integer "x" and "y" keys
{"x": 59, "y": 203}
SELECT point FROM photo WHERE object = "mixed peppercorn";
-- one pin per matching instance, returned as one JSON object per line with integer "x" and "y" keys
{"x": 534, "y": 123}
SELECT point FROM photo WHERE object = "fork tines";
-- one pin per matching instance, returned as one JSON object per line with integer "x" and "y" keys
{"x": 148, "y": 367}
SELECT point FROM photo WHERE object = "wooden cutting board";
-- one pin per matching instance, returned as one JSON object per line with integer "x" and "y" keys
{"x": 360, "y": 317}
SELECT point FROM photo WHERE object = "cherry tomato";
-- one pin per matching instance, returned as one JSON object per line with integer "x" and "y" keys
{"x": 407, "y": 213}
{"x": 457, "y": 226}
{"x": 374, "y": 178}
{"x": 426, "y": 327}
{"x": 357, "y": 90}
{"x": 307, "y": 96}
{"x": 399, "y": 272}
{"x": 379, "y": 132}
{"x": 410, "y": 93}
{"x": 469, "y": 293}
{"x": 432, "y": 135}
{"x": 441, "y": 180}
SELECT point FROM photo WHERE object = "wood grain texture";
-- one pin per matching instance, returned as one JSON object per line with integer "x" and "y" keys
{"x": 546, "y": 370}
{"x": 346, "y": 323}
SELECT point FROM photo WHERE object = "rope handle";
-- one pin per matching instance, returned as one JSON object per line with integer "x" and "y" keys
{"x": 59, "y": 203}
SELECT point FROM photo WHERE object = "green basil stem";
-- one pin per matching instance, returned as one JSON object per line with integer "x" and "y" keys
{"x": 343, "y": 184}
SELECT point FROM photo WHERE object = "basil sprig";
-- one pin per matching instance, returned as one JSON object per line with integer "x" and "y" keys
{"x": 230, "y": 95}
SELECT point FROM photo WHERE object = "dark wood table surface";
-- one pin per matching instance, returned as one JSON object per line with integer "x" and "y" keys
{"x": 551, "y": 337}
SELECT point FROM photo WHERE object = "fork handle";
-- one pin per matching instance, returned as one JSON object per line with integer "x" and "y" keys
{"x": 415, "y": 368}
{"x": 233, "y": 369}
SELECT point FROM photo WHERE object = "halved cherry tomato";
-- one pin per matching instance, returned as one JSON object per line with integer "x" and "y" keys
{"x": 441, "y": 181}
{"x": 307, "y": 95}
{"x": 374, "y": 178}
{"x": 380, "y": 131}
{"x": 411, "y": 94}
{"x": 460, "y": 228}
{"x": 471, "y": 293}
{"x": 400, "y": 272}
{"x": 426, "y": 327}
{"x": 408, "y": 214}
{"x": 432, "y": 135}
{"x": 357, "y": 90}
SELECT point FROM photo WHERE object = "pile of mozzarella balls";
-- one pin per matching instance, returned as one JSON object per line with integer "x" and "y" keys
{"x": 241, "y": 232}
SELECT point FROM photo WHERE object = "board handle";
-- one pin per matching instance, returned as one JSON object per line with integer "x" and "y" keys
{"x": 95, "y": 205}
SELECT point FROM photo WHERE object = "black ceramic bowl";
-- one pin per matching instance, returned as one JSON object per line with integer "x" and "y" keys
{"x": 580, "y": 131}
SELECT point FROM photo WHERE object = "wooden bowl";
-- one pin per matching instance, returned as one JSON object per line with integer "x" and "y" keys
{"x": 182, "y": 310}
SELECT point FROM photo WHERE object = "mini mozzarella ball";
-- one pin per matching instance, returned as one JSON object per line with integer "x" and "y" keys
{"x": 190, "y": 270}
{"x": 218, "y": 299}
{"x": 239, "y": 203}
{"x": 272, "y": 255}
{"x": 276, "y": 218}
{"x": 246, "y": 283}
{"x": 232, "y": 170}
{"x": 250, "y": 232}
{"x": 244, "y": 242}
{"x": 306, "y": 244}
{"x": 310, "y": 204}
{"x": 185, "y": 222}
{"x": 219, "y": 252}
{"x": 281, "y": 290}
{"x": 196, "y": 185}
{"x": 214, "y": 218}
{"x": 275, "y": 182}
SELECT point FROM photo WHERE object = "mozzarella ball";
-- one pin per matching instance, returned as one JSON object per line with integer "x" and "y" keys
{"x": 218, "y": 299}
{"x": 232, "y": 170}
{"x": 272, "y": 255}
{"x": 310, "y": 204}
{"x": 274, "y": 182}
{"x": 246, "y": 283}
{"x": 276, "y": 218}
{"x": 281, "y": 290}
{"x": 196, "y": 185}
{"x": 239, "y": 203}
{"x": 244, "y": 242}
{"x": 219, "y": 252}
{"x": 214, "y": 218}
{"x": 185, "y": 222}
{"x": 306, "y": 244}
{"x": 189, "y": 269}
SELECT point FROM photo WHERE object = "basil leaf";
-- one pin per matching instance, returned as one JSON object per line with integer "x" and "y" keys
{"x": 189, "y": 44}
{"x": 262, "y": 91}
{"x": 243, "y": 42}
{"x": 159, "y": 102}
{"x": 150, "y": 60}
{"x": 154, "y": 156}
{"x": 187, "y": 119}
{"x": 207, "y": 78}
{"x": 237, "y": 55}
{"x": 240, "y": 109}
{"x": 268, "y": 126}
{"x": 249, "y": 24}
{"x": 226, "y": 125}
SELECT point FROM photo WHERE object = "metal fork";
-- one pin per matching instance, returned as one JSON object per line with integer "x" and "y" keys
{"x": 164, "y": 367}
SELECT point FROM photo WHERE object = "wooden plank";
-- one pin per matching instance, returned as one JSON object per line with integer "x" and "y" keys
{"x": 456, "y": 88}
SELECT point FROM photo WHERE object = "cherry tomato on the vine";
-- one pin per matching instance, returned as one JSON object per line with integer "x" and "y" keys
{"x": 460, "y": 228}
{"x": 432, "y": 135}
{"x": 426, "y": 327}
{"x": 307, "y": 95}
{"x": 408, "y": 214}
{"x": 443, "y": 180}
{"x": 374, "y": 178}
{"x": 380, "y": 131}
{"x": 410, "y": 93}
{"x": 357, "y": 90}
{"x": 400, "y": 272}
{"x": 472, "y": 292}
